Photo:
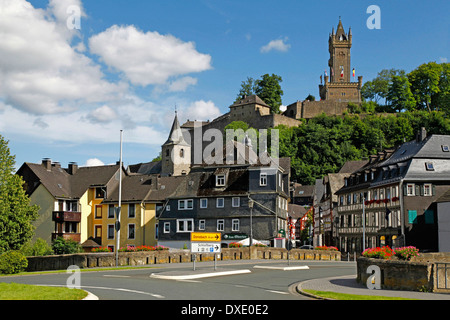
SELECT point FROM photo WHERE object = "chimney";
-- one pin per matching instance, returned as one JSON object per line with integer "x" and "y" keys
{"x": 421, "y": 134}
{"x": 56, "y": 164}
{"x": 47, "y": 164}
{"x": 73, "y": 168}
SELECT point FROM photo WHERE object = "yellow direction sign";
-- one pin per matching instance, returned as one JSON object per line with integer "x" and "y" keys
{"x": 206, "y": 236}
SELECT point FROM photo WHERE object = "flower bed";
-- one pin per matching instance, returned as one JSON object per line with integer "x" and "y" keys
{"x": 142, "y": 248}
{"x": 386, "y": 253}
{"x": 102, "y": 249}
{"x": 235, "y": 245}
{"x": 326, "y": 248}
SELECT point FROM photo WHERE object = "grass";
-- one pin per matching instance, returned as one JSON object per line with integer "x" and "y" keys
{"x": 345, "y": 296}
{"x": 15, "y": 291}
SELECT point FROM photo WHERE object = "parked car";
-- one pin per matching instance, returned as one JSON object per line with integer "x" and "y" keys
{"x": 307, "y": 246}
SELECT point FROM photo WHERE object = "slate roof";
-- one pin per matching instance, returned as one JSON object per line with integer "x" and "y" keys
{"x": 253, "y": 99}
{"x": 62, "y": 184}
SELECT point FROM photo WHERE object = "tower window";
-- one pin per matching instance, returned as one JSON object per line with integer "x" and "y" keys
{"x": 182, "y": 153}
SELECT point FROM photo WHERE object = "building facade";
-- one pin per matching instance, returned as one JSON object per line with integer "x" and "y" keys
{"x": 397, "y": 191}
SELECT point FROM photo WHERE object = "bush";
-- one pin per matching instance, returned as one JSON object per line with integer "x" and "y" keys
{"x": 326, "y": 248}
{"x": 406, "y": 253}
{"x": 62, "y": 246}
{"x": 235, "y": 245}
{"x": 13, "y": 262}
{"x": 102, "y": 249}
{"x": 39, "y": 248}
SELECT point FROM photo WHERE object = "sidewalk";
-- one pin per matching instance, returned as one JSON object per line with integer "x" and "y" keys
{"x": 348, "y": 284}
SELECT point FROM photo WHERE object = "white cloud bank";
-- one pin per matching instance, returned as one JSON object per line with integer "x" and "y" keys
{"x": 276, "y": 45}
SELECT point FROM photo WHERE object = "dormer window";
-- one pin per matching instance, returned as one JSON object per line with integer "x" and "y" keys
{"x": 445, "y": 148}
{"x": 429, "y": 166}
{"x": 220, "y": 180}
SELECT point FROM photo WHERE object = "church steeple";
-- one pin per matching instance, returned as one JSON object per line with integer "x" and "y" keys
{"x": 176, "y": 152}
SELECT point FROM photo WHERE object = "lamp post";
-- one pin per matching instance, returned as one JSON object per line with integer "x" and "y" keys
{"x": 250, "y": 205}
{"x": 120, "y": 204}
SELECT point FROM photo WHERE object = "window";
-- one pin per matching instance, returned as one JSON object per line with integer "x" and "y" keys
{"x": 100, "y": 193}
{"x": 410, "y": 189}
{"x": 98, "y": 232}
{"x": 429, "y": 217}
{"x": 427, "y": 190}
{"x": 98, "y": 212}
{"x": 131, "y": 231}
{"x": 201, "y": 224}
{"x": 236, "y": 202}
{"x": 110, "y": 231}
{"x": 220, "y": 180}
{"x": 263, "y": 179}
{"x": 185, "y": 225}
{"x": 131, "y": 210}
{"x": 111, "y": 210}
{"x": 220, "y": 202}
{"x": 445, "y": 148}
{"x": 235, "y": 225}
{"x": 203, "y": 203}
{"x": 220, "y": 225}
{"x": 181, "y": 153}
{"x": 168, "y": 207}
{"x": 412, "y": 216}
{"x": 185, "y": 204}
{"x": 429, "y": 166}
{"x": 166, "y": 227}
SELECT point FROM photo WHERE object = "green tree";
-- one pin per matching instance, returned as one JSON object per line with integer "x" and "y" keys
{"x": 377, "y": 89}
{"x": 425, "y": 84}
{"x": 268, "y": 88}
{"x": 247, "y": 88}
{"x": 399, "y": 94}
{"x": 16, "y": 214}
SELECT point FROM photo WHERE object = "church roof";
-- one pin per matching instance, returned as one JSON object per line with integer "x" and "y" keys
{"x": 176, "y": 134}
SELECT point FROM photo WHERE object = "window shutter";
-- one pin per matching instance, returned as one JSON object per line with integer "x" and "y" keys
{"x": 405, "y": 189}
{"x": 417, "y": 190}
{"x": 433, "y": 190}
{"x": 422, "y": 187}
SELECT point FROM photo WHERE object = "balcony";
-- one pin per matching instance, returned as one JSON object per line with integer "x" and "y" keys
{"x": 66, "y": 216}
{"x": 67, "y": 236}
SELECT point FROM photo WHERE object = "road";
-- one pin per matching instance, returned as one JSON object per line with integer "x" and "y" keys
{"x": 258, "y": 284}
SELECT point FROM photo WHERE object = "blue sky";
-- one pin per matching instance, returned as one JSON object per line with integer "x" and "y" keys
{"x": 66, "y": 93}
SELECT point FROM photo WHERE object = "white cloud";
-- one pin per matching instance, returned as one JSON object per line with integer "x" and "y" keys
{"x": 201, "y": 110}
{"x": 94, "y": 162}
{"x": 147, "y": 58}
{"x": 277, "y": 45}
{"x": 103, "y": 114}
{"x": 39, "y": 70}
{"x": 182, "y": 84}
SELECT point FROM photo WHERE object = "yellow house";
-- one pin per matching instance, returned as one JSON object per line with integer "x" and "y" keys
{"x": 70, "y": 199}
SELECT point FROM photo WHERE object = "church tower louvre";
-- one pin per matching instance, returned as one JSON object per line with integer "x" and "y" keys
{"x": 176, "y": 152}
{"x": 338, "y": 85}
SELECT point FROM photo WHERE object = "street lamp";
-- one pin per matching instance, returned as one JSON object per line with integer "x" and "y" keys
{"x": 250, "y": 205}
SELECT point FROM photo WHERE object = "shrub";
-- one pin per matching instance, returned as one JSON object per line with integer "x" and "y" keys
{"x": 13, "y": 262}
{"x": 379, "y": 253}
{"x": 62, "y": 246}
{"x": 326, "y": 248}
{"x": 39, "y": 248}
{"x": 102, "y": 249}
{"x": 406, "y": 253}
{"x": 235, "y": 245}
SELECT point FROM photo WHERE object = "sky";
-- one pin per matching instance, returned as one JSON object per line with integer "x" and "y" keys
{"x": 73, "y": 73}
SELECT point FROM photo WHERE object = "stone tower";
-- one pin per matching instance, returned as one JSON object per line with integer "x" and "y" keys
{"x": 175, "y": 153}
{"x": 337, "y": 84}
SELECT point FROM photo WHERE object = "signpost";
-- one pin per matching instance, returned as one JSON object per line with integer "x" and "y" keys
{"x": 205, "y": 242}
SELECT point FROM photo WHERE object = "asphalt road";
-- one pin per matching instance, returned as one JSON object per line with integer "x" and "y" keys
{"x": 136, "y": 284}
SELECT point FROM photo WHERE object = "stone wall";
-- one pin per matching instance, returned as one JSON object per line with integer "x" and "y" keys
{"x": 93, "y": 260}
{"x": 417, "y": 275}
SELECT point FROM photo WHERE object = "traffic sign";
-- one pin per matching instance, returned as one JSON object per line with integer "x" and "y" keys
{"x": 199, "y": 247}
{"x": 206, "y": 236}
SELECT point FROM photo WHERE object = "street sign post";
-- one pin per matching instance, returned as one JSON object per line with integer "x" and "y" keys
{"x": 206, "y": 236}
{"x": 205, "y": 242}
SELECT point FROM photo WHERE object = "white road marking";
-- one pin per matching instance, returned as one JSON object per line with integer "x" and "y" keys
{"x": 279, "y": 292}
{"x": 106, "y": 288}
{"x": 115, "y": 276}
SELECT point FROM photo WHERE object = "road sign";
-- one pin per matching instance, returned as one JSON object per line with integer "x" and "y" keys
{"x": 202, "y": 247}
{"x": 206, "y": 237}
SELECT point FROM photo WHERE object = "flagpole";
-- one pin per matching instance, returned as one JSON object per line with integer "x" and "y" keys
{"x": 120, "y": 204}
{"x": 364, "y": 224}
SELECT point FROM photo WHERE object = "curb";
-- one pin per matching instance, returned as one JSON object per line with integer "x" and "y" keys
{"x": 90, "y": 296}
{"x": 197, "y": 276}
